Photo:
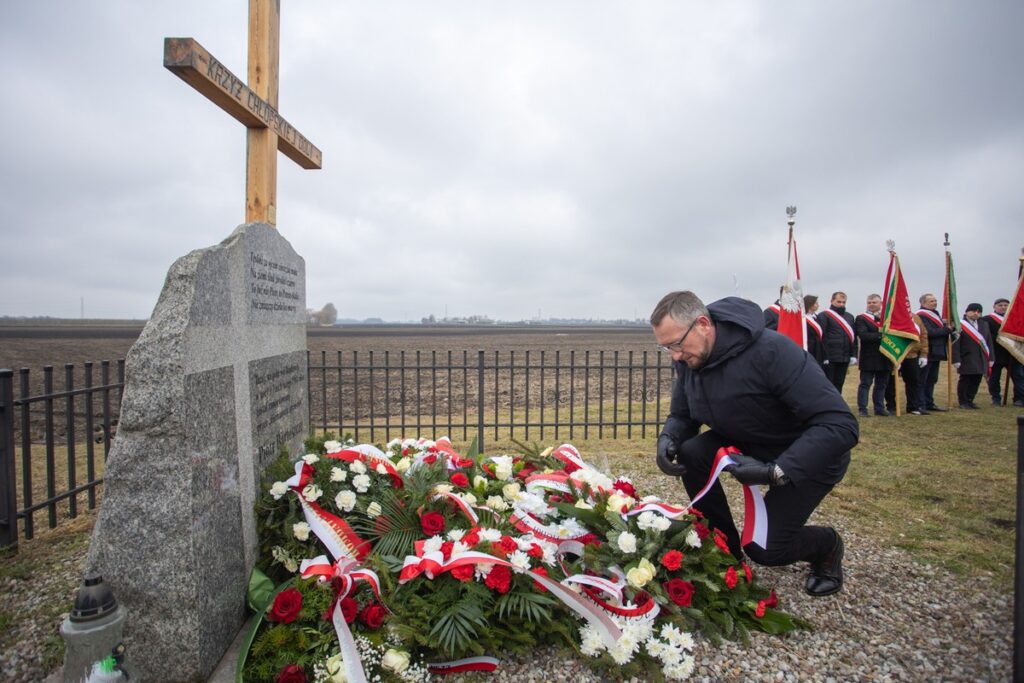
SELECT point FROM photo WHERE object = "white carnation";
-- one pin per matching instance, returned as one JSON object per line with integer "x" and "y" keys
{"x": 380, "y": 469}
{"x": 310, "y": 458}
{"x": 300, "y": 530}
{"x": 332, "y": 446}
{"x": 357, "y": 466}
{"x": 278, "y": 489}
{"x": 479, "y": 482}
{"x": 374, "y": 509}
{"x": 468, "y": 497}
{"x": 361, "y": 482}
{"x": 338, "y": 474}
{"x": 692, "y": 539}
{"x": 627, "y": 542}
{"x": 345, "y": 500}
{"x": 312, "y": 492}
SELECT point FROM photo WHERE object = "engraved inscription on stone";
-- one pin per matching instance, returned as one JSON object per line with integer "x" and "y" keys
{"x": 277, "y": 389}
{"x": 273, "y": 285}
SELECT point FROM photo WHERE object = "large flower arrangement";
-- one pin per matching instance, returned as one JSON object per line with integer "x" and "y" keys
{"x": 414, "y": 560}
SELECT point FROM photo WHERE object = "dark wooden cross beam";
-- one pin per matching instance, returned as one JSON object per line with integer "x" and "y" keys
{"x": 255, "y": 105}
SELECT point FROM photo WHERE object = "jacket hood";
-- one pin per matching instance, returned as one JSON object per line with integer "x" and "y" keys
{"x": 738, "y": 322}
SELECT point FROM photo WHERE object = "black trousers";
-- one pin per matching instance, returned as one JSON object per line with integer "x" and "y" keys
{"x": 1016, "y": 372}
{"x": 836, "y": 373}
{"x": 967, "y": 388}
{"x": 788, "y": 508}
{"x": 880, "y": 378}
{"x": 911, "y": 373}
{"x": 928, "y": 378}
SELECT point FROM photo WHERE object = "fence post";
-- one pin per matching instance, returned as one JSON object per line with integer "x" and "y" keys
{"x": 1018, "y": 572}
{"x": 8, "y": 485}
{"x": 480, "y": 401}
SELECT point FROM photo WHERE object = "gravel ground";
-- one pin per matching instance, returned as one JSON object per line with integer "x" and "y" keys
{"x": 896, "y": 620}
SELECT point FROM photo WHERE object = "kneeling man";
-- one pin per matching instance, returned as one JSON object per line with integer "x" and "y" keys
{"x": 757, "y": 391}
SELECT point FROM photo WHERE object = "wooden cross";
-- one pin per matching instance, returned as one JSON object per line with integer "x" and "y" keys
{"x": 255, "y": 105}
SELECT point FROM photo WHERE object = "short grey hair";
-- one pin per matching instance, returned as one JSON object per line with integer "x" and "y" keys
{"x": 924, "y": 296}
{"x": 683, "y": 307}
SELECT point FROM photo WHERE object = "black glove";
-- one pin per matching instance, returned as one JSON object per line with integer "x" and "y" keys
{"x": 668, "y": 451}
{"x": 753, "y": 471}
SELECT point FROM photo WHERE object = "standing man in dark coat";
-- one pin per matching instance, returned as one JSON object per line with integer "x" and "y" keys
{"x": 938, "y": 332}
{"x": 815, "y": 344}
{"x": 874, "y": 367}
{"x": 771, "y": 316}
{"x": 840, "y": 340}
{"x": 1003, "y": 358}
{"x": 761, "y": 393}
{"x": 972, "y": 356}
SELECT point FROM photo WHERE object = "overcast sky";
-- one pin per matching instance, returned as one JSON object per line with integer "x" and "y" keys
{"x": 573, "y": 159}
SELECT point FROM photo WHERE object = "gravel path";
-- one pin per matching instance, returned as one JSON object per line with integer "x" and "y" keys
{"x": 896, "y": 620}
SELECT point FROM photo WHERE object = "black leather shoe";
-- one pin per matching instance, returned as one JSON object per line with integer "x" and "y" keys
{"x": 968, "y": 406}
{"x": 827, "y": 573}
{"x": 863, "y": 413}
{"x": 882, "y": 413}
{"x": 936, "y": 409}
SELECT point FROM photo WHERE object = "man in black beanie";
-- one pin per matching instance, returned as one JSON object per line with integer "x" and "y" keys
{"x": 972, "y": 356}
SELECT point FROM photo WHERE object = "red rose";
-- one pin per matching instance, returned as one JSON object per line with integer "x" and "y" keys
{"x": 286, "y": 607}
{"x": 759, "y": 612}
{"x": 293, "y": 673}
{"x": 723, "y": 546}
{"x": 373, "y": 616}
{"x": 463, "y": 573}
{"x": 625, "y": 487}
{"x": 731, "y": 579}
{"x": 672, "y": 560}
{"x": 679, "y": 591}
{"x": 432, "y": 523}
{"x": 349, "y": 608}
{"x": 749, "y": 574}
{"x": 460, "y": 480}
{"x": 540, "y": 571}
{"x": 499, "y": 579}
{"x": 430, "y": 459}
{"x": 463, "y": 462}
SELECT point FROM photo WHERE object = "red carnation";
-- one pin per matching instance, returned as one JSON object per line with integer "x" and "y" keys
{"x": 446, "y": 549}
{"x": 460, "y": 480}
{"x": 463, "y": 573}
{"x": 759, "y": 612}
{"x": 430, "y": 459}
{"x": 463, "y": 462}
{"x": 286, "y": 607}
{"x": 508, "y": 544}
{"x": 471, "y": 539}
{"x": 499, "y": 579}
{"x": 672, "y": 560}
{"x": 679, "y": 591}
{"x": 293, "y": 673}
{"x": 373, "y": 616}
{"x": 625, "y": 487}
{"x": 535, "y": 551}
{"x": 432, "y": 523}
{"x": 349, "y": 608}
{"x": 749, "y": 574}
{"x": 723, "y": 546}
{"x": 731, "y": 579}
{"x": 702, "y": 531}
{"x": 539, "y": 571}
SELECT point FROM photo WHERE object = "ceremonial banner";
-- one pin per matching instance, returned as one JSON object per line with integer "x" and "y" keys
{"x": 1011, "y": 334}
{"x": 949, "y": 305}
{"x": 791, "y": 303}
{"x": 898, "y": 328}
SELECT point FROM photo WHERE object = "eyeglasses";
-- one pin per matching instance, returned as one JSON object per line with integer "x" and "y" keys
{"x": 678, "y": 344}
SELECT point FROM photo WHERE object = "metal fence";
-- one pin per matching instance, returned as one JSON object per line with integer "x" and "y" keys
{"x": 531, "y": 395}
{"x": 49, "y": 436}
{"x": 78, "y": 420}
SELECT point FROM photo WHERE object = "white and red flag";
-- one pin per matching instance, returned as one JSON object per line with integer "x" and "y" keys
{"x": 1011, "y": 334}
{"x": 791, "y": 302}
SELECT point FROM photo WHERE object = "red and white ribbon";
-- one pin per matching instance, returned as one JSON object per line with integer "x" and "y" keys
{"x": 932, "y": 316}
{"x": 462, "y": 505}
{"x": 968, "y": 328}
{"x": 663, "y": 509}
{"x": 334, "y": 532}
{"x": 528, "y": 524}
{"x": 554, "y": 481}
{"x": 842, "y": 323}
{"x": 755, "y": 516}
{"x": 372, "y": 456}
{"x": 568, "y": 454}
{"x": 349, "y": 653}
{"x": 345, "y": 569}
{"x": 462, "y": 665}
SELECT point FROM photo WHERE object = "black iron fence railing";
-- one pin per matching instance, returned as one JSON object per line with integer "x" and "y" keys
{"x": 54, "y": 442}
{"x": 489, "y": 395}
{"x": 48, "y": 434}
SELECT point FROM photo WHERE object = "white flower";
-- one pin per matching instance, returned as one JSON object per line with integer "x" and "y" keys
{"x": 468, "y": 497}
{"x": 394, "y": 442}
{"x": 332, "y": 446}
{"x": 681, "y": 671}
{"x": 661, "y": 523}
{"x": 380, "y": 469}
{"x": 345, "y": 500}
{"x": 336, "y": 670}
{"x": 482, "y": 570}
{"x": 479, "y": 482}
{"x": 456, "y": 534}
{"x": 403, "y": 464}
{"x": 312, "y": 492}
{"x": 519, "y": 560}
{"x": 443, "y": 488}
{"x": 583, "y": 505}
{"x": 281, "y": 555}
{"x": 617, "y": 501}
{"x": 311, "y": 458}
{"x": 640, "y": 575}
{"x": 502, "y": 467}
{"x": 497, "y": 503}
{"x": 458, "y": 548}
{"x": 374, "y": 509}
{"x": 627, "y": 542}
{"x": 490, "y": 535}
{"x": 357, "y": 466}
{"x": 590, "y": 641}
{"x": 338, "y": 474}
{"x": 395, "y": 660}
{"x": 278, "y": 489}
{"x": 650, "y": 499}
{"x": 432, "y": 544}
{"x": 677, "y": 637}
{"x": 301, "y": 530}
{"x": 654, "y": 647}
{"x": 361, "y": 482}
{"x": 692, "y": 539}
{"x": 652, "y": 520}
{"x": 511, "y": 491}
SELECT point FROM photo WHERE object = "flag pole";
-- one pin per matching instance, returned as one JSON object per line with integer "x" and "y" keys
{"x": 1009, "y": 369}
{"x": 891, "y": 246}
{"x": 949, "y": 339}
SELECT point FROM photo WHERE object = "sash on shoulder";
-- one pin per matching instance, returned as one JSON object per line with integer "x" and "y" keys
{"x": 931, "y": 316}
{"x": 871, "y": 319}
{"x": 842, "y": 321}
{"x": 978, "y": 338}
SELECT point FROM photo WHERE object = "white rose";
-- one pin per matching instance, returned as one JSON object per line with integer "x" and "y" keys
{"x": 627, "y": 542}
{"x": 336, "y": 670}
{"x": 345, "y": 500}
{"x": 497, "y": 503}
{"x": 469, "y": 498}
{"x": 640, "y": 575}
{"x": 395, "y": 660}
{"x": 332, "y": 446}
{"x": 503, "y": 472}
{"x": 312, "y": 492}
{"x": 278, "y": 489}
{"x": 361, "y": 482}
{"x": 358, "y": 467}
{"x": 479, "y": 482}
{"x": 310, "y": 458}
{"x": 338, "y": 474}
{"x": 443, "y": 488}
{"x": 380, "y": 469}
{"x": 374, "y": 509}
{"x": 617, "y": 501}
{"x": 511, "y": 491}
{"x": 301, "y": 530}
{"x": 403, "y": 464}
